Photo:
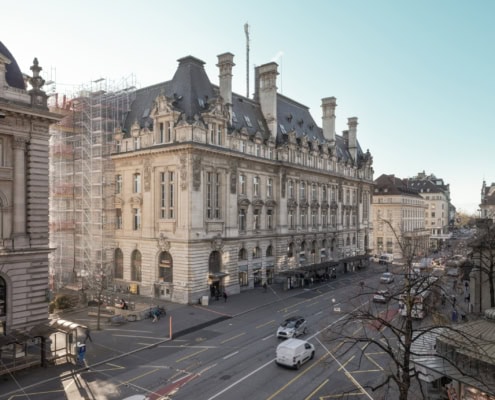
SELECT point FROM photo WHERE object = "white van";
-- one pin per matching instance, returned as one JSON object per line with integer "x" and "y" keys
{"x": 294, "y": 352}
{"x": 386, "y": 258}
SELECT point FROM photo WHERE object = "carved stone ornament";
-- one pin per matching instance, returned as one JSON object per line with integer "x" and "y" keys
{"x": 183, "y": 172}
{"x": 147, "y": 175}
{"x": 196, "y": 172}
{"x": 163, "y": 243}
{"x": 217, "y": 243}
{"x": 19, "y": 143}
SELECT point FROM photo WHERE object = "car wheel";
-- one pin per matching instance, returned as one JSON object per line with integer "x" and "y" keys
{"x": 298, "y": 365}
{"x": 305, "y": 331}
{"x": 312, "y": 355}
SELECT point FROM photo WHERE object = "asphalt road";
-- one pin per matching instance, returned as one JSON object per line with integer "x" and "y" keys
{"x": 235, "y": 358}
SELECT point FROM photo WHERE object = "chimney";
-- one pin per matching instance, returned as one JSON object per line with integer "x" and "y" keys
{"x": 256, "y": 84}
{"x": 225, "y": 64}
{"x": 268, "y": 94}
{"x": 328, "y": 105}
{"x": 352, "y": 142}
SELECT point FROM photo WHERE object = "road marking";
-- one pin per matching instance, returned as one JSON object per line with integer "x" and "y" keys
{"x": 341, "y": 395}
{"x": 316, "y": 390}
{"x": 347, "y": 362}
{"x": 318, "y": 313}
{"x": 230, "y": 355}
{"x": 268, "y": 337}
{"x": 232, "y": 338}
{"x": 265, "y": 324}
{"x": 298, "y": 376}
{"x": 137, "y": 377}
{"x": 191, "y": 355}
{"x": 347, "y": 373}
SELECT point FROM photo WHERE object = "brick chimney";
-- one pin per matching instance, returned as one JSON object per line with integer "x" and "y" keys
{"x": 328, "y": 105}
{"x": 225, "y": 64}
{"x": 352, "y": 142}
{"x": 267, "y": 84}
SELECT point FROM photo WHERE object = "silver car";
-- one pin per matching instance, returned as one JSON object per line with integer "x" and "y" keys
{"x": 292, "y": 327}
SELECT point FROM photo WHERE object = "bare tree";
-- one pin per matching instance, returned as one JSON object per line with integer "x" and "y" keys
{"x": 403, "y": 340}
{"x": 483, "y": 255}
{"x": 96, "y": 283}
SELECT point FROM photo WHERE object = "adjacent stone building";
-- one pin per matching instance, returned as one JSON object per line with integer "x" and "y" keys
{"x": 24, "y": 122}
{"x": 487, "y": 205}
{"x": 436, "y": 195}
{"x": 398, "y": 213}
{"x": 216, "y": 191}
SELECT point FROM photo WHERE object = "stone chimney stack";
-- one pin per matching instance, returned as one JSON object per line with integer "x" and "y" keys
{"x": 328, "y": 105}
{"x": 225, "y": 64}
{"x": 267, "y": 74}
{"x": 352, "y": 142}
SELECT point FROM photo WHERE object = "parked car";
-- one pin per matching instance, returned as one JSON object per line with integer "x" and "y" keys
{"x": 294, "y": 352}
{"x": 292, "y": 327}
{"x": 387, "y": 277}
{"x": 386, "y": 258}
{"x": 381, "y": 296}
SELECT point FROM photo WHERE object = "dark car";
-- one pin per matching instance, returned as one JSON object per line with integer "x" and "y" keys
{"x": 292, "y": 327}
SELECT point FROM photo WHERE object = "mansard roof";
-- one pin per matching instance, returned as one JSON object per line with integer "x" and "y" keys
{"x": 392, "y": 186}
{"x": 13, "y": 75}
{"x": 424, "y": 186}
{"x": 191, "y": 93}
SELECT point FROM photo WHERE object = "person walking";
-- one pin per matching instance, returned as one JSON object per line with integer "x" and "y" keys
{"x": 155, "y": 314}
{"x": 264, "y": 287}
{"x": 225, "y": 296}
{"x": 87, "y": 335}
{"x": 81, "y": 352}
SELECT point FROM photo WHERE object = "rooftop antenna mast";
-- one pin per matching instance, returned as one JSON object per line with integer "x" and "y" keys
{"x": 246, "y": 31}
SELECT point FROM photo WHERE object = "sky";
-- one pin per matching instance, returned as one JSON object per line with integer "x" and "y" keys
{"x": 419, "y": 75}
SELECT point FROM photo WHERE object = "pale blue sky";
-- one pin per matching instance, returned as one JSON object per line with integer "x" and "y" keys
{"x": 419, "y": 75}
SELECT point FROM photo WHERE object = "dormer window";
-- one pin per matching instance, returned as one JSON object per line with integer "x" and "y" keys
{"x": 248, "y": 121}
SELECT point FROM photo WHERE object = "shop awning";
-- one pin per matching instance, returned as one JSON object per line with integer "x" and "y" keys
{"x": 217, "y": 275}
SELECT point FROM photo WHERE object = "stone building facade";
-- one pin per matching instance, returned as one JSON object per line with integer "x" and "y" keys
{"x": 24, "y": 122}
{"x": 216, "y": 191}
{"x": 398, "y": 213}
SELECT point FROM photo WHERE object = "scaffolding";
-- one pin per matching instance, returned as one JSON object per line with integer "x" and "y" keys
{"x": 82, "y": 212}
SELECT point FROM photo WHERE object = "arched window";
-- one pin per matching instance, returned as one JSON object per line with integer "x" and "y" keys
{"x": 269, "y": 251}
{"x": 290, "y": 249}
{"x": 242, "y": 254}
{"x": 118, "y": 266}
{"x": 136, "y": 266}
{"x": 348, "y": 241}
{"x": 256, "y": 252}
{"x": 166, "y": 267}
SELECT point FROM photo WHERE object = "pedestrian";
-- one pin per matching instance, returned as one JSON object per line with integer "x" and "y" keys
{"x": 87, "y": 335}
{"x": 443, "y": 299}
{"x": 454, "y": 315}
{"x": 467, "y": 298}
{"x": 225, "y": 296}
{"x": 81, "y": 352}
{"x": 264, "y": 287}
{"x": 155, "y": 314}
{"x": 217, "y": 294}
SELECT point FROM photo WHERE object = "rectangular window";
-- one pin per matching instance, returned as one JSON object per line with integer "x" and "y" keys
{"x": 118, "y": 184}
{"x": 324, "y": 219}
{"x": 302, "y": 191}
{"x": 314, "y": 192}
{"x": 269, "y": 188}
{"x": 291, "y": 190}
{"x": 256, "y": 186}
{"x": 256, "y": 219}
{"x": 169, "y": 131}
{"x": 118, "y": 218}
{"x": 291, "y": 219}
{"x": 219, "y": 135}
{"x": 171, "y": 194}
{"x": 269, "y": 218}
{"x": 242, "y": 146}
{"x": 242, "y": 184}
{"x": 137, "y": 183}
{"x": 162, "y": 133}
{"x": 212, "y": 195}
{"x": 314, "y": 220}
{"x": 303, "y": 219}
{"x": 136, "y": 218}
{"x": 213, "y": 131}
{"x": 118, "y": 146}
{"x": 242, "y": 220}
{"x": 163, "y": 195}
{"x": 137, "y": 143}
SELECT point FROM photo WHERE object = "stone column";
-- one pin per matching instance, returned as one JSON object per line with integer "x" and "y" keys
{"x": 19, "y": 146}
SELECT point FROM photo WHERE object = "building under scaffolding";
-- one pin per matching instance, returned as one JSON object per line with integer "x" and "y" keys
{"x": 82, "y": 183}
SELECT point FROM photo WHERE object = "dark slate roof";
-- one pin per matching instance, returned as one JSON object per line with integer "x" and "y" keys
{"x": 191, "y": 93}
{"x": 13, "y": 74}
{"x": 391, "y": 185}
{"x": 424, "y": 186}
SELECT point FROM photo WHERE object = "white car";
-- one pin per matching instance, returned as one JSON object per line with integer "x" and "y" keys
{"x": 381, "y": 296}
{"x": 387, "y": 277}
{"x": 292, "y": 327}
{"x": 294, "y": 352}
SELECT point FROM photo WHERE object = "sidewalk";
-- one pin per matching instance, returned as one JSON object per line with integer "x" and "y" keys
{"x": 113, "y": 342}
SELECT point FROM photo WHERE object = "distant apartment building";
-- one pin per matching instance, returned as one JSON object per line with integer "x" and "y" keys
{"x": 436, "y": 195}
{"x": 24, "y": 249}
{"x": 487, "y": 205}
{"x": 217, "y": 191}
{"x": 398, "y": 215}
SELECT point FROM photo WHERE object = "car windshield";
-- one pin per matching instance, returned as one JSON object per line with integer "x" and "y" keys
{"x": 289, "y": 323}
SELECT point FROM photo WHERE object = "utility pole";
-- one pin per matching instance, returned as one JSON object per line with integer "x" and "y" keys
{"x": 246, "y": 31}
